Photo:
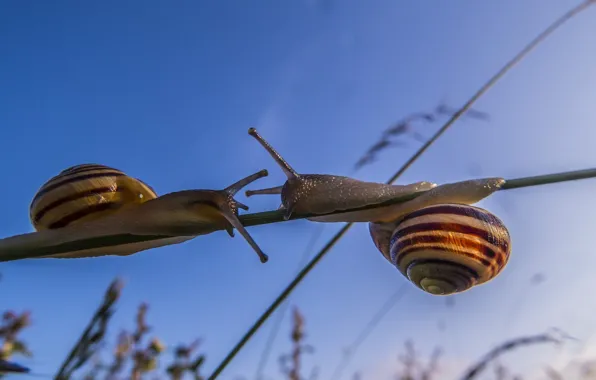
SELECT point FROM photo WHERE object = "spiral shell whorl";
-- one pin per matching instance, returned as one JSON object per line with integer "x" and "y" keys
{"x": 85, "y": 192}
{"x": 448, "y": 248}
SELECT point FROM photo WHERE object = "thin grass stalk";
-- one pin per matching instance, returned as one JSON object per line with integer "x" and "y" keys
{"x": 368, "y": 328}
{"x": 286, "y": 292}
{"x": 482, "y": 364}
{"x": 281, "y": 313}
{"x": 88, "y": 343}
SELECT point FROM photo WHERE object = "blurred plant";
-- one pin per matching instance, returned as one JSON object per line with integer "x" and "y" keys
{"x": 510, "y": 345}
{"x": 90, "y": 341}
{"x": 11, "y": 326}
{"x": 144, "y": 357}
{"x": 95, "y": 370}
{"x": 553, "y": 374}
{"x": 7, "y": 367}
{"x": 584, "y": 369}
{"x": 406, "y": 128}
{"x": 588, "y": 370}
{"x": 502, "y": 373}
{"x": 291, "y": 364}
{"x": 413, "y": 369}
{"x": 184, "y": 364}
{"x": 131, "y": 355}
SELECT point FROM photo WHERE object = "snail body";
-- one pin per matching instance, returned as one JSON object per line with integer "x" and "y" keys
{"x": 90, "y": 201}
{"x": 437, "y": 240}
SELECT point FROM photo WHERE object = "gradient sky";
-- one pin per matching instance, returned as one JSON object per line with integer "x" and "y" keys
{"x": 166, "y": 92}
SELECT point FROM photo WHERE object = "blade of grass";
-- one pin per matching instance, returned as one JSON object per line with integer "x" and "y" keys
{"x": 529, "y": 47}
{"x": 90, "y": 340}
{"x": 281, "y": 313}
{"x": 368, "y": 328}
{"x": 478, "y": 367}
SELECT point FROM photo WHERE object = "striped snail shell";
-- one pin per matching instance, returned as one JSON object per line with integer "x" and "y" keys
{"x": 445, "y": 248}
{"x": 83, "y": 193}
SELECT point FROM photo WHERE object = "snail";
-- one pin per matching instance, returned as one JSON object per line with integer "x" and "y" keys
{"x": 90, "y": 201}
{"x": 322, "y": 194}
{"x": 437, "y": 240}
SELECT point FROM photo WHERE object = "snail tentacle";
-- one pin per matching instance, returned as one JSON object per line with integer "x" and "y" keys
{"x": 288, "y": 170}
{"x": 200, "y": 207}
{"x": 230, "y": 212}
{"x": 268, "y": 191}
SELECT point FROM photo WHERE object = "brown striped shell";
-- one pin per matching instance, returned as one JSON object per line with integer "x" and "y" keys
{"x": 85, "y": 192}
{"x": 445, "y": 248}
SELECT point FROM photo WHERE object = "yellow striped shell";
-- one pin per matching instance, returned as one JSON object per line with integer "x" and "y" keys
{"x": 85, "y": 192}
{"x": 445, "y": 248}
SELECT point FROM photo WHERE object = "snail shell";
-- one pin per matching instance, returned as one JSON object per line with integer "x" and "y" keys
{"x": 83, "y": 193}
{"x": 445, "y": 248}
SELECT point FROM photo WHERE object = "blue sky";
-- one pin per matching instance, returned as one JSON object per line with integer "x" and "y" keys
{"x": 167, "y": 91}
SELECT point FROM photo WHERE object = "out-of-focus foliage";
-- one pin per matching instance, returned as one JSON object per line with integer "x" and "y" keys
{"x": 91, "y": 340}
{"x": 136, "y": 355}
{"x": 398, "y": 134}
{"x": 291, "y": 364}
{"x": 11, "y": 344}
